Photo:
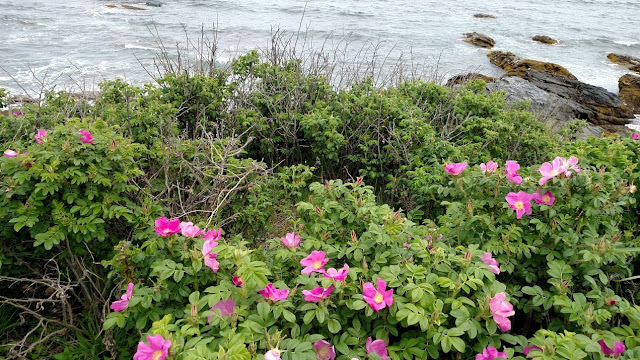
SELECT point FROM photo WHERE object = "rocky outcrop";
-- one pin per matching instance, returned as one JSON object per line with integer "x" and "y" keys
{"x": 477, "y": 39}
{"x": 594, "y": 103}
{"x": 461, "y": 79}
{"x": 484, "y": 16}
{"x": 544, "y": 39}
{"x": 630, "y": 62}
{"x": 131, "y": 7}
{"x": 504, "y": 59}
{"x": 516, "y": 66}
{"x": 629, "y": 86}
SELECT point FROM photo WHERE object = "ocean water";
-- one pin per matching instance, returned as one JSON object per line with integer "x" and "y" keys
{"x": 77, "y": 43}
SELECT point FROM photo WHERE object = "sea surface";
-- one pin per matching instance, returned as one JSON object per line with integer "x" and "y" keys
{"x": 74, "y": 44}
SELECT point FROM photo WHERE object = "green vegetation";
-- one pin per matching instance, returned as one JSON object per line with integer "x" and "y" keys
{"x": 271, "y": 153}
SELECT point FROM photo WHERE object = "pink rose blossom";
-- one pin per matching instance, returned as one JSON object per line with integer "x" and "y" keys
{"x": 315, "y": 262}
{"x": 635, "y": 136}
{"x": 210, "y": 259}
{"x": 490, "y": 353}
{"x": 86, "y": 138}
{"x": 570, "y": 164}
{"x": 10, "y": 153}
{"x": 520, "y": 202}
{"x": 549, "y": 171}
{"x": 338, "y": 275}
{"x": 324, "y": 350}
{"x": 291, "y": 240}
{"x": 527, "y": 349}
{"x": 189, "y": 230}
{"x": 166, "y": 227}
{"x": 211, "y": 235}
{"x": 455, "y": 168}
{"x": 272, "y": 355}
{"x": 225, "y": 308}
{"x": 123, "y": 303}
{"x": 618, "y": 348}
{"x": 494, "y": 267}
{"x": 377, "y": 347}
{"x": 237, "y": 280}
{"x": 377, "y": 299}
{"x": 273, "y": 294}
{"x": 511, "y": 172}
{"x": 41, "y": 134}
{"x": 158, "y": 348}
{"x": 501, "y": 310}
{"x": 489, "y": 168}
{"x": 546, "y": 199}
{"x": 317, "y": 293}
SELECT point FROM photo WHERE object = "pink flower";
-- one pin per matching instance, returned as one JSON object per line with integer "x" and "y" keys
{"x": 635, "y": 136}
{"x": 520, "y": 202}
{"x": 273, "y": 294}
{"x": 501, "y": 310}
{"x": 380, "y": 298}
{"x": 210, "y": 259}
{"x": 166, "y": 227}
{"x": 378, "y": 347}
{"x": 224, "y": 307}
{"x": 570, "y": 164}
{"x": 490, "y": 353}
{"x": 489, "y": 168}
{"x": 315, "y": 262}
{"x": 527, "y": 349}
{"x": 338, "y": 275}
{"x": 41, "y": 134}
{"x": 494, "y": 267}
{"x": 10, "y": 153}
{"x": 547, "y": 198}
{"x": 291, "y": 240}
{"x": 189, "y": 230}
{"x": 158, "y": 348}
{"x": 618, "y": 348}
{"x": 549, "y": 171}
{"x": 212, "y": 235}
{"x": 455, "y": 168}
{"x": 324, "y": 350}
{"x": 272, "y": 355}
{"x": 237, "y": 280}
{"x": 317, "y": 293}
{"x": 86, "y": 138}
{"x": 17, "y": 112}
{"x": 511, "y": 172}
{"x": 123, "y": 303}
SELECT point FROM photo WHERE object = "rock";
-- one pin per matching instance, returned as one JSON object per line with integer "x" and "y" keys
{"x": 630, "y": 62}
{"x": 629, "y": 86}
{"x": 505, "y": 60}
{"x": 485, "y": 16}
{"x": 592, "y": 103}
{"x": 461, "y": 79}
{"x": 546, "y": 67}
{"x": 131, "y": 7}
{"x": 477, "y": 39}
{"x": 544, "y": 39}
{"x": 111, "y": 6}
{"x": 516, "y": 66}
{"x": 153, "y": 3}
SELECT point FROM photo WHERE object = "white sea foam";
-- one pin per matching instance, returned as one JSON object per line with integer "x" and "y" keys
{"x": 626, "y": 43}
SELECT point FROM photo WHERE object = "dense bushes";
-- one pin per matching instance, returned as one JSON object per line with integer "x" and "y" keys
{"x": 329, "y": 194}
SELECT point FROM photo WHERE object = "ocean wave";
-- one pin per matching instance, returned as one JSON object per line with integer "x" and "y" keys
{"x": 134, "y": 46}
{"x": 626, "y": 43}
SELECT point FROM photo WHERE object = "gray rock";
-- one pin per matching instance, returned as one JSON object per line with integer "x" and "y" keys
{"x": 479, "y": 40}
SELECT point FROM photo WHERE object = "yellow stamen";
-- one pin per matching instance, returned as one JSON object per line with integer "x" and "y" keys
{"x": 317, "y": 265}
{"x": 546, "y": 198}
{"x": 378, "y": 298}
{"x": 519, "y": 205}
{"x": 157, "y": 354}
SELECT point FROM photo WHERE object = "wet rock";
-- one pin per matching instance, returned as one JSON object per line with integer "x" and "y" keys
{"x": 629, "y": 86}
{"x": 480, "y": 40}
{"x": 504, "y": 59}
{"x": 131, "y": 7}
{"x": 546, "y": 67}
{"x": 544, "y": 39}
{"x": 630, "y": 62}
{"x": 485, "y": 16}
{"x": 590, "y": 102}
{"x": 111, "y": 6}
{"x": 461, "y": 79}
{"x": 153, "y": 3}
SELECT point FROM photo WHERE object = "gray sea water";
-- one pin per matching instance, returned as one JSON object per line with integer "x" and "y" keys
{"x": 73, "y": 43}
